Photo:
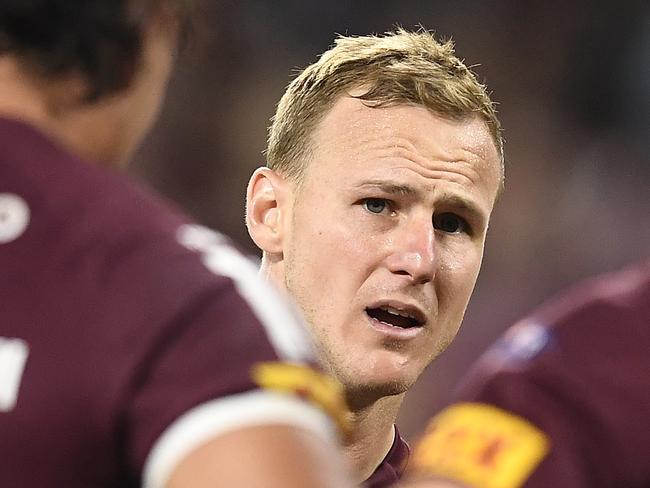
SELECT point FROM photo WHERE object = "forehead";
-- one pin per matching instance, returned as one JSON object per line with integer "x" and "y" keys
{"x": 357, "y": 141}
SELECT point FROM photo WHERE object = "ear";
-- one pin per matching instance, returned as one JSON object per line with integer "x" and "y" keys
{"x": 267, "y": 198}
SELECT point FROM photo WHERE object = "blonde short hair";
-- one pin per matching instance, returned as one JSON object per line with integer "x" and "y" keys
{"x": 400, "y": 67}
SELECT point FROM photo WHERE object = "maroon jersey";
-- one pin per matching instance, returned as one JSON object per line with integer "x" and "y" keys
{"x": 562, "y": 400}
{"x": 393, "y": 465}
{"x": 128, "y": 334}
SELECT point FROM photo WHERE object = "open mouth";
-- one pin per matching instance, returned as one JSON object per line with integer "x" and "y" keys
{"x": 395, "y": 318}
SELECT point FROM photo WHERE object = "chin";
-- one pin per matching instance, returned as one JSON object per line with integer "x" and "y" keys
{"x": 361, "y": 396}
{"x": 381, "y": 373}
{"x": 362, "y": 390}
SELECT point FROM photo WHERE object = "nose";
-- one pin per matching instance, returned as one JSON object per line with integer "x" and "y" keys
{"x": 414, "y": 254}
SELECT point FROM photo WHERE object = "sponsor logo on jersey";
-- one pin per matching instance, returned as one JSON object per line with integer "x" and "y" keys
{"x": 306, "y": 383}
{"x": 13, "y": 355}
{"x": 480, "y": 446}
{"x": 524, "y": 341}
{"x": 521, "y": 343}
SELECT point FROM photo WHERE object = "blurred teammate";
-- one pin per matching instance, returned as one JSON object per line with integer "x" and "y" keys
{"x": 136, "y": 349}
{"x": 562, "y": 400}
{"x": 384, "y": 162}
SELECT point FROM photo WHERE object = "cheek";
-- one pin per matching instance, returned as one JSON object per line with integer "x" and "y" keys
{"x": 328, "y": 236}
{"x": 315, "y": 255}
{"x": 457, "y": 275}
{"x": 333, "y": 236}
{"x": 327, "y": 265}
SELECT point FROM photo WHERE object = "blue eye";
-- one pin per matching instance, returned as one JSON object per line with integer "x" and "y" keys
{"x": 375, "y": 205}
{"x": 450, "y": 223}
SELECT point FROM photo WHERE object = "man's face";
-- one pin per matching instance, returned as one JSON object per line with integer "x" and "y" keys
{"x": 384, "y": 239}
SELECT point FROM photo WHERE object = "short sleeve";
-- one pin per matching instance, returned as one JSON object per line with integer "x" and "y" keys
{"x": 201, "y": 376}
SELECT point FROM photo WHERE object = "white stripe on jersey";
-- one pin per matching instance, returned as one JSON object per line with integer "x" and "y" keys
{"x": 13, "y": 355}
{"x": 285, "y": 332}
{"x": 217, "y": 417}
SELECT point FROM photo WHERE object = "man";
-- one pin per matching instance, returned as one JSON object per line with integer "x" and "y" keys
{"x": 136, "y": 348}
{"x": 563, "y": 399}
{"x": 384, "y": 163}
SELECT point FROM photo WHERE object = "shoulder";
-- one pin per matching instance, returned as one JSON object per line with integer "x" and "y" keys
{"x": 560, "y": 389}
{"x": 605, "y": 316}
{"x": 119, "y": 253}
{"x": 622, "y": 297}
{"x": 73, "y": 204}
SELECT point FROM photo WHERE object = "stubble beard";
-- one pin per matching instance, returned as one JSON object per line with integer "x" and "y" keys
{"x": 359, "y": 393}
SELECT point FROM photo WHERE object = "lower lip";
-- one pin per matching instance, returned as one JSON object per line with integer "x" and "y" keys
{"x": 395, "y": 332}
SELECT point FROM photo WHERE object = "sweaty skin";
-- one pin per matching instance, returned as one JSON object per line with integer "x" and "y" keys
{"x": 389, "y": 220}
{"x": 393, "y": 211}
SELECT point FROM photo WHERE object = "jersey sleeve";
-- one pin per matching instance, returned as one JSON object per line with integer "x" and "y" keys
{"x": 557, "y": 405}
{"x": 130, "y": 336}
{"x": 235, "y": 355}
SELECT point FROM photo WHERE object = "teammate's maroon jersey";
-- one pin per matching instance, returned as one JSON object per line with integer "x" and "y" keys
{"x": 563, "y": 400}
{"x": 393, "y": 465}
{"x": 119, "y": 318}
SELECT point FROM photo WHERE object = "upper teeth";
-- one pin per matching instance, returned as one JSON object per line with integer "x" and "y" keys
{"x": 394, "y": 311}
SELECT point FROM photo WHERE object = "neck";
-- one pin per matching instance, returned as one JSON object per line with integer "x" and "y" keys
{"x": 372, "y": 431}
{"x": 53, "y": 107}
{"x": 372, "y": 436}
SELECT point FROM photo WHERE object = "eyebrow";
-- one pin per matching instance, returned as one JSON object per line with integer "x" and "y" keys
{"x": 390, "y": 188}
{"x": 446, "y": 198}
{"x": 463, "y": 204}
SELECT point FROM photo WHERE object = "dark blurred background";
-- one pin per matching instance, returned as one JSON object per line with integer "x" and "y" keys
{"x": 572, "y": 79}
